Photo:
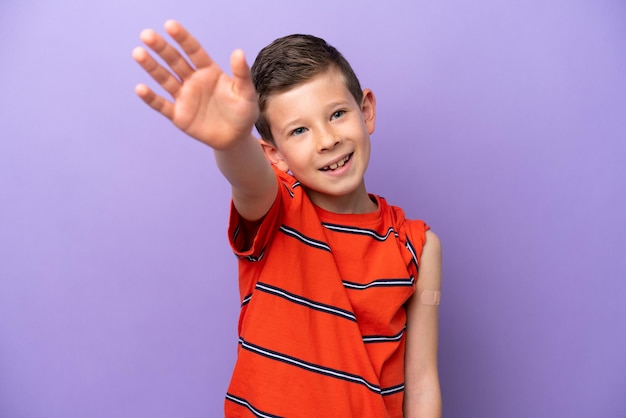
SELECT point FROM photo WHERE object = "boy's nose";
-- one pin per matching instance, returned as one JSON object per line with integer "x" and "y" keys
{"x": 327, "y": 141}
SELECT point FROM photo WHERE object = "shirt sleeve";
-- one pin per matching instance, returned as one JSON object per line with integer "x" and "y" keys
{"x": 416, "y": 238}
{"x": 252, "y": 247}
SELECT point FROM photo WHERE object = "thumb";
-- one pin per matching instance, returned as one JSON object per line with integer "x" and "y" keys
{"x": 242, "y": 84}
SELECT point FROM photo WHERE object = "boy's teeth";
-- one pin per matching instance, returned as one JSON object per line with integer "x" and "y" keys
{"x": 337, "y": 164}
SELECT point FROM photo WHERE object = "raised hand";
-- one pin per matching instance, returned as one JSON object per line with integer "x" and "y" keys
{"x": 208, "y": 104}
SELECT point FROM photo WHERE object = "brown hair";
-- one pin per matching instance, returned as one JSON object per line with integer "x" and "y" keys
{"x": 293, "y": 60}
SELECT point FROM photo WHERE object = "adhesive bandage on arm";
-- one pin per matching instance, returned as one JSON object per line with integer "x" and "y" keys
{"x": 430, "y": 297}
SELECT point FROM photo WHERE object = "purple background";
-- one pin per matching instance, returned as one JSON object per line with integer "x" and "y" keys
{"x": 500, "y": 123}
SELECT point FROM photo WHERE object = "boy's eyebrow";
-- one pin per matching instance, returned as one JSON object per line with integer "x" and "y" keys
{"x": 289, "y": 125}
{"x": 339, "y": 103}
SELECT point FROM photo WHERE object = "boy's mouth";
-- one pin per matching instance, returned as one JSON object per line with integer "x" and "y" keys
{"x": 340, "y": 163}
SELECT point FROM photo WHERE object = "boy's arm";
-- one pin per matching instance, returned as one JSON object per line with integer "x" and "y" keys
{"x": 422, "y": 396}
{"x": 216, "y": 109}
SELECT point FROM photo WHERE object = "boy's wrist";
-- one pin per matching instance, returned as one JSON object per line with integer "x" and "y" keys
{"x": 235, "y": 143}
{"x": 230, "y": 141}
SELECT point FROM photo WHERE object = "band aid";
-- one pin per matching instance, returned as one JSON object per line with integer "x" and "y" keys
{"x": 430, "y": 297}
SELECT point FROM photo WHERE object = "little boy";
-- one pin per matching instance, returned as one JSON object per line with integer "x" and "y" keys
{"x": 334, "y": 321}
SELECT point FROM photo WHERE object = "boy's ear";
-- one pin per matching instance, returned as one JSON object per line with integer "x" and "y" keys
{"x": 273, "y": 155}
{"x": 368, "y": 108}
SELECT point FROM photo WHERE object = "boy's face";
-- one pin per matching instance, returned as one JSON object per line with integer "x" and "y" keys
{"x": 321, "y": 135}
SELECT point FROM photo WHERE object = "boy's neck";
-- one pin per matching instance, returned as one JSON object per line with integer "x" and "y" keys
{"x": 355, "y": 203}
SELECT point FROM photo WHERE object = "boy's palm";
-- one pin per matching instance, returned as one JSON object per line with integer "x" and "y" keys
{"x": 208, "y": 104}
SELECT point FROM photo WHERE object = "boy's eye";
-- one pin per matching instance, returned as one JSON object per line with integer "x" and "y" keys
{"x": 298, "y": 131}
{"x": 338, "y": 114}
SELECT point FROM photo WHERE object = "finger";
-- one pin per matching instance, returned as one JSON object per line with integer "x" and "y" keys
{"x": 242, "y": 79}
{"x": 161, "y": 75}
{"x": 168, "y": 53}
{"x": 155, "y": 101}
{"x": 197, "y": 55}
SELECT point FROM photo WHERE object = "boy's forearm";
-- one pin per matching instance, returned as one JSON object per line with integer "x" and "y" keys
{"x": 425, "y": 403}
{"x": 253, "y": 182}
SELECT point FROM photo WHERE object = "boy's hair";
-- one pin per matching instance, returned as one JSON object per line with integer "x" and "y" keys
{"x": 293, "y": 60}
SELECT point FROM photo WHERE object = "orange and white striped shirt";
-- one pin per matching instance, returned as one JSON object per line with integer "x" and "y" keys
{"x": 321, "y": 329}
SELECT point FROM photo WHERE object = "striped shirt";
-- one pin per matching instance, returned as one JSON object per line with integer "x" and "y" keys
{"x": 321, "y": 329}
